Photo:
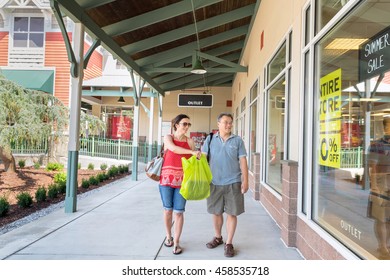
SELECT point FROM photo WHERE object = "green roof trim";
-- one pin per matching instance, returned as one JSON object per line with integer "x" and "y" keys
{"x": 42, "y": 80}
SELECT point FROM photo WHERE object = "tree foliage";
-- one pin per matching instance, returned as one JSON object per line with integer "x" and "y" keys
{"x": 27, "y": 115}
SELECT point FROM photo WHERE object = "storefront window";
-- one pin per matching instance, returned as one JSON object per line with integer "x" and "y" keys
{"x": 242, "y": 118}
{"x": 326, "y": 10}
{"x": 275, "y": 134}
{"x": 277, "y": 64}
{"x": 351, "y": 143}
{"x": 252, "y": 124}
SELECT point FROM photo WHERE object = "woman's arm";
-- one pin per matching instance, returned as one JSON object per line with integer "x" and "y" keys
{"x": 168, "y": 143}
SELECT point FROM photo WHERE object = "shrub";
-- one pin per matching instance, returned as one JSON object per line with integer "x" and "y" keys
{"x": 121, "y": 169}
{"x": 52, "y": 191}
{"x": 103, "y": 166}
{"x": 37, "y": 165}
{"x": 113, "y": 171}
{"x": 54, "y": 166}
{"x": 60, "y": 177}
{"x": 91, "y": 166}
{"x": 22, "y": 163}
{"x": 41, "y": 194}
{"x": 106, "y": 176}
{"x": 4, "y": 206}
{"x": 93, "y": 181}
{"x": 101, "y": 177}
{"x": 24, "y": 199}
{"x": 61, "y": 187}
{"x": 79, "y": 165}
{"x": 85, "y": 184}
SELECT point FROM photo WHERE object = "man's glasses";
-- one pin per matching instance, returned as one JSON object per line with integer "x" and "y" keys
{"x": 185, "y": 124}
{"x": 226, "y": 123}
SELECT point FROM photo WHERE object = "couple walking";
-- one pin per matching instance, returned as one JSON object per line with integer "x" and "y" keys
{"x": 229, "y": 167}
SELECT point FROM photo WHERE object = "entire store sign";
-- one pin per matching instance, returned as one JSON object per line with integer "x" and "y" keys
{"x": 195, "y": 100}
{"x": 374, "y": 56}
{"x": 330, "y": 119}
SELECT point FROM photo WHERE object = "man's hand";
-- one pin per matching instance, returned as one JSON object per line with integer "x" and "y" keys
{"x": 244, "y": 187}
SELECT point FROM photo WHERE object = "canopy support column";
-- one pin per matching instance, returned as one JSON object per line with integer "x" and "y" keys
{"x": 74, "y": 124}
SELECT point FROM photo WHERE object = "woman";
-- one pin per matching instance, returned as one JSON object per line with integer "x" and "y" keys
{"x": 177, "y": 145}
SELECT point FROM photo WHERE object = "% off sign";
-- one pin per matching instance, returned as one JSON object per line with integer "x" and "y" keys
{"x": 330, "y": 154}
{"x": 330, "y": 119}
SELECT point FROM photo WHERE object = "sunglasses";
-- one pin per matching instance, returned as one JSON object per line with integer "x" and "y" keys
{"x": 185, "y": 124}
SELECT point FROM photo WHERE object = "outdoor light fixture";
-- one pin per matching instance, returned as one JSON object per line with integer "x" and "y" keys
{"x": 121, "y": 100}
{"x": 198, "y": 67}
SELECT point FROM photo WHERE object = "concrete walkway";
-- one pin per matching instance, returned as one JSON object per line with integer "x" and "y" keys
{"x": 123, "y": 221}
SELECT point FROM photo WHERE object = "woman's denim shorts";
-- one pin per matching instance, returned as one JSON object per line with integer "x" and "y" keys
{"x": 172, "y": 199}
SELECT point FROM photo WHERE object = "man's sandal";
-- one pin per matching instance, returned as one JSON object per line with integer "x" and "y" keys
{"x": 177, "y": 250}
{"x": 168, "y": 242}
{"x": 215, "y": 242}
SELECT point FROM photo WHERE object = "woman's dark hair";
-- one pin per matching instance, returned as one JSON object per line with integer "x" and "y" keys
{"x": 178, "y": 119}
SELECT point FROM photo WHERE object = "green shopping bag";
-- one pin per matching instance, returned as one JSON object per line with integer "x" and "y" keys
{"x": 197, "y": 178}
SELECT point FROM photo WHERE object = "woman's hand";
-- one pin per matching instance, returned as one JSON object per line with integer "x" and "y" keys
{"x": 198, "y": 154}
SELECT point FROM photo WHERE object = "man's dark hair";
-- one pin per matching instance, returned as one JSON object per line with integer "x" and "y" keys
{"x": 223, "y": 115}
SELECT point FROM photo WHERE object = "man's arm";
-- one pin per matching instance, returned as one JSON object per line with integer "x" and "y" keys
{"x": 244, "y": 172}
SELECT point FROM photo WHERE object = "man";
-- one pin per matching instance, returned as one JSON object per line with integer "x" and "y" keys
{"x": 379, "y": 199}
{"x": 229, "y": 167}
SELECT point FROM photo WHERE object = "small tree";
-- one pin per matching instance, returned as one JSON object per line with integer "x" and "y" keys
{"x": 27, "y": 115}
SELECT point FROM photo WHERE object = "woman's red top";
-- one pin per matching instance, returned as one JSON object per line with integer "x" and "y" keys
{"x": 172, "y": 170}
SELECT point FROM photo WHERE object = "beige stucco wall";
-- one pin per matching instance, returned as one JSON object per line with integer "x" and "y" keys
{"x": 202, "y": 119}
{"x": 276, "y": 24}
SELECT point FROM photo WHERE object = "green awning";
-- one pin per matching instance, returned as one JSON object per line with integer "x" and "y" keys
{"x": 33, "y": 79}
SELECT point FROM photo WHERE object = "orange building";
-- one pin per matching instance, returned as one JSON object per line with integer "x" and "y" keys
{"x": 32, "y": 48}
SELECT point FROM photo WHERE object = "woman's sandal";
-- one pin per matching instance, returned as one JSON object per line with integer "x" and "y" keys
{"x": 177, "y": 250}
{"x": 168, "y": 242}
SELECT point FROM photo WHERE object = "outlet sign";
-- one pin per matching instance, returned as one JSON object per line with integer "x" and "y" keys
{"x": 195, "y": 100}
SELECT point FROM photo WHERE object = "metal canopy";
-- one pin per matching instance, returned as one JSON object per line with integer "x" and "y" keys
{"x": 158, "y": 39}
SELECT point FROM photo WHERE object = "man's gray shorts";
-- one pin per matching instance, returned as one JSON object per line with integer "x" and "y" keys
{"x": 226, "y": 198}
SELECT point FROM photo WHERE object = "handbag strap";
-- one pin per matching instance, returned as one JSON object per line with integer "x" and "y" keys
{"x": 208, "y": 151}
{"x": 162, "y": 150}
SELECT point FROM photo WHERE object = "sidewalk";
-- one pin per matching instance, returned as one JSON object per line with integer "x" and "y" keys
{"x": 123, "y": 221}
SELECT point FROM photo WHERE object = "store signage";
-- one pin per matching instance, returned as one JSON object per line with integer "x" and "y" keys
{"x": 330, "y": 119}
{"x": 374, "y": 56}
{"x": 195, "y": 100}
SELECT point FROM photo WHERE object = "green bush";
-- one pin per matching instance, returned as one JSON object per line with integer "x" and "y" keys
{"x": 121, "y": 169}
{"x": 60, "y": 181}
{"x": 52, "y": 191}
{"x": 93, "y": 181}
{"x": 60, "y": 177}
{"x": 24, "y": 199}
{"x": 100, "y": 177}
{"x": 85, "y": 183}
{"x": 41, "y": 194}
{"x": 91, "y": 166}
{"x": 37, "y": 165}
{"x": 79, "y": 165}
{"x": 103, "y": 166}
{"x": 54, "y": 166}
{"x": 106, "y": 176}
{"x": 113, "y": 171}
{"x": 22, "y": 163}
{"x": 4, "y": 206}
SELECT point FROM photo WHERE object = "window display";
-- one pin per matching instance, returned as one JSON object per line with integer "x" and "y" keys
{"x": 351, "y": 154}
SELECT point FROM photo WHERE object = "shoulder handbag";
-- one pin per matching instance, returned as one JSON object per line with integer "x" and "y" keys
{"x": 153, "y": 167}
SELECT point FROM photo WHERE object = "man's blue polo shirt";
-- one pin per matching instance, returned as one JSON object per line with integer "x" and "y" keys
{"x": 225, "y": 158}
